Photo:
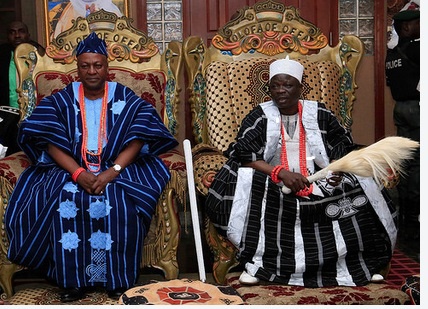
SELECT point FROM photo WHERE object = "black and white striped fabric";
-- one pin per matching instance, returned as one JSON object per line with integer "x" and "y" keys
{"x": 341, "y": 236}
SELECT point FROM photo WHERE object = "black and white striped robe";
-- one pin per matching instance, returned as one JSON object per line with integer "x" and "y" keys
{"x": 340, "y": 236}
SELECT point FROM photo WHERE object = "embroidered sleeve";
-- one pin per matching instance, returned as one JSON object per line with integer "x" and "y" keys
{"x": 251, "y": 138}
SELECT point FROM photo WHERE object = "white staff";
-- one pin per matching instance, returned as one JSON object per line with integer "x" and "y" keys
{"x": 194, "y": 208}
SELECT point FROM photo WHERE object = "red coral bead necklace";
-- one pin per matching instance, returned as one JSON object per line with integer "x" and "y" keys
{"x": 102, "y": 134}
{"x": 302, "y": 153}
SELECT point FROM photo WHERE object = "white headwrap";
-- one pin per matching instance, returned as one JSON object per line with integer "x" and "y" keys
{"x": 286, "y": 66}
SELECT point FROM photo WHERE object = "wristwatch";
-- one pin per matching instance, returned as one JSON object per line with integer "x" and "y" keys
{"x": 117, "y": 168}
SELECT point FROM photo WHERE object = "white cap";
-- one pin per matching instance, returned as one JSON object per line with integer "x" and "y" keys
{"x": 286, "y": 66}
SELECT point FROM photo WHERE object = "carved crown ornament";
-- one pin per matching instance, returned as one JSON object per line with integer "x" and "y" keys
{"x": 124, "y": 42}
{"x": 269, "y": 28}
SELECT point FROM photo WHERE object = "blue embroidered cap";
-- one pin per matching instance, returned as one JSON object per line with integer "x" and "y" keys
{"x": 92, "y": 44}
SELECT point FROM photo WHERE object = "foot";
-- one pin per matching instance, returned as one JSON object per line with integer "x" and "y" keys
{"x": 247, "y": 279}
{"x": 116, "y": 293}
{"x": 377, "y": 278}
{"x": 71, "y": 294}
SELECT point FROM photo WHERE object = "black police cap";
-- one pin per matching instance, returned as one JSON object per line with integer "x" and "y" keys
{"x": 407, "y": 15}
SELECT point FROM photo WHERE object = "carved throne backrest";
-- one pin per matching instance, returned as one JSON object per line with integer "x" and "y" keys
{"x": 231, "y": 76}
{"x": 235, "y": 88}
{"x": 134, "y": 60}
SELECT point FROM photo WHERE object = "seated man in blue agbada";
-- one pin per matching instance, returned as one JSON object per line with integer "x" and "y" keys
{"x": 81, "y": 211}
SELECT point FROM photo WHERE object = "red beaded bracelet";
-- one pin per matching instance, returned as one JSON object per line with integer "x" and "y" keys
{"x": 76, "y": 173}
{"x": 275, "y": 172}
{"x": 306, "y": 191}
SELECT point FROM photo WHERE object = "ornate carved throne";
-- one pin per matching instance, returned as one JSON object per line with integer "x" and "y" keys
{"x": 135, "y": 61}
{"x": 230, "y": 77}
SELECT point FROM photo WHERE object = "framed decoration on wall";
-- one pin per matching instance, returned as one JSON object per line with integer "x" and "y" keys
{"x": 59, "y": 14}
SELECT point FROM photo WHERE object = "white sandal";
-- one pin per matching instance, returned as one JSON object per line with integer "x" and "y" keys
{"x": 377, "y": 278}
{"x": 246, "y": 278}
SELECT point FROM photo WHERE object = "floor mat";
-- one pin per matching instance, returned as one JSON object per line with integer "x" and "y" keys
{"x": 181, "y": 292}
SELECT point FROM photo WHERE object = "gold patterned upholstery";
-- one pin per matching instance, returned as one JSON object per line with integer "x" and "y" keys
{"x": 245, "y": 83}
{"x": 230, "y": 78}
{"x": 135, "y": 61}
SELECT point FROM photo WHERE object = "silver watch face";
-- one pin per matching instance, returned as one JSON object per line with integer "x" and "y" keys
{"x": 117, "y": 167}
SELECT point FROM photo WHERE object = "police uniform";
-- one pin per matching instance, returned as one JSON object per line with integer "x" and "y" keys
{"x": 402, "y": 68}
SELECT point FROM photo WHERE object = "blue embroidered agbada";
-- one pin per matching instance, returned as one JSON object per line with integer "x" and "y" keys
{"x": 53, "y": 224}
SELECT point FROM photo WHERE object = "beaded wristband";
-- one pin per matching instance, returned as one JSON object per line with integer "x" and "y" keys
{"x": 306, "y": 191}
{"x": 275, "y": 172}
{"x": 76, "y": 173}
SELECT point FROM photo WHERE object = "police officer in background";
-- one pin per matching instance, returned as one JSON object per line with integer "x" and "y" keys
{"x": 402, "y": 68}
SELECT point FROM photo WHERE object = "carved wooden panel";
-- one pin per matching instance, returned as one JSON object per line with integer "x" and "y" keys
{"x": 204, "y": 17}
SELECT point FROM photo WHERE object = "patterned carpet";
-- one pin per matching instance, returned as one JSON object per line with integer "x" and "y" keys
{"x": 46, "y": 294}
{"x": 38, "y": 292}
{"x": 402, "y": 267}
{"x": 388, "y": 292}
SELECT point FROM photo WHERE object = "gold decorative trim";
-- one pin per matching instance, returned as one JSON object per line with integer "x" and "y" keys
{"x": 269, "y": 28}
{"x": 194, "y": 51}
{"x": 124, "y": 42}
{"x": 7, "y": 268}
{"x": 223, "y": 250}
{"x": 161, "y": 244}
